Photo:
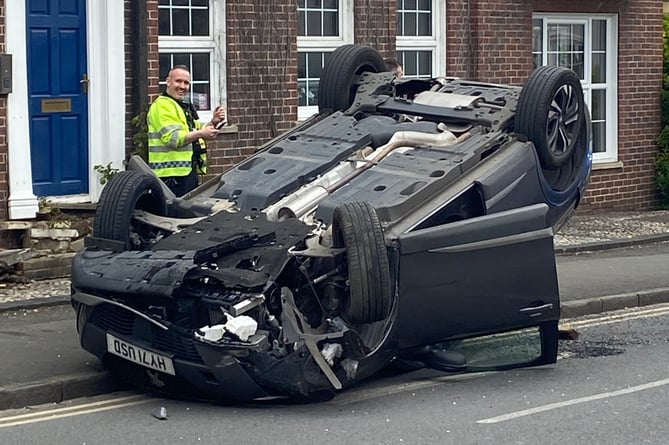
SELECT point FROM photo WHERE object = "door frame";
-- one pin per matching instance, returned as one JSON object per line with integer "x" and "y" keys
{"x": 105, "y": 34}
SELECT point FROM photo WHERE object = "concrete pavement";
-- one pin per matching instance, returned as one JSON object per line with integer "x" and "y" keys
{"x": 43, "y": 362}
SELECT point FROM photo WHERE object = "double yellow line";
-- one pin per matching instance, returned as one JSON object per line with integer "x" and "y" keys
{"x": 75, "y": 410}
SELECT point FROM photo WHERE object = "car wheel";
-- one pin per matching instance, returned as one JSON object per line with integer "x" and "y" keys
{"x": 551, "y": 113}
{"x": 126, "y": 192}
{"x": 338, "y": 83}
{"x": 356, "y": 227}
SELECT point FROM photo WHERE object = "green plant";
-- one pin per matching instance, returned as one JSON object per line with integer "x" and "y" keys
{"x": 140, "y": 137}
{"x": 662, "y": 162}
{"x": 106, "y": 172}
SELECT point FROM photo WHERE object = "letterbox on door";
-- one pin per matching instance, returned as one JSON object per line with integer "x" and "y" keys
{"x": 5, "y": 73}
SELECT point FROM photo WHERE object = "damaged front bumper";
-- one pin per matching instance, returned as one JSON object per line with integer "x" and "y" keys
{"x": 141, "y": 315}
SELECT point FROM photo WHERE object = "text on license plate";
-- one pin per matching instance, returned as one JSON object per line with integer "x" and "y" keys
{"x": 139, "y": 355}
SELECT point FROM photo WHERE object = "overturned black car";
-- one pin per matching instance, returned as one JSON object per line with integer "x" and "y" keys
{"x": 410, "y": 222}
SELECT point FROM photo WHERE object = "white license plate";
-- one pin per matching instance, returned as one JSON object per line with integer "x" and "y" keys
{"x": 139, "y": 355}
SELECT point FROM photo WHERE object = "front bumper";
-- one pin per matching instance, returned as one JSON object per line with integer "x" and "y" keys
{"x": 214, "y": 371}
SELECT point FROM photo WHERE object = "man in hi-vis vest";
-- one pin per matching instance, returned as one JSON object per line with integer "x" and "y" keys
{"x": 177, "y": 147}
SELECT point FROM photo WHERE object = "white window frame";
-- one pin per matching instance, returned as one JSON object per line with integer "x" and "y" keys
{"x": 435, "y": 43}
{"x": 610, "y": 86}
{"x": 327, "y": 44}
{"x": 214, "y": 44}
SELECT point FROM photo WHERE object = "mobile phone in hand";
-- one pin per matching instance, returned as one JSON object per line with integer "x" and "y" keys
{"x": 221, "y": 124}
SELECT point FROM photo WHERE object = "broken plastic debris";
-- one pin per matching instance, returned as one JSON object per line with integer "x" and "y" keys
{"x": 211, "y": 333}
{"x": 242, "y": 326}
{"x": 160, "y": 413}
{"x": 331, "y": 351}
{"x": 350, "y": 366}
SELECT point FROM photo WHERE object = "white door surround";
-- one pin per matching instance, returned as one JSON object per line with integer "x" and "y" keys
{"x": 106, "y": 111}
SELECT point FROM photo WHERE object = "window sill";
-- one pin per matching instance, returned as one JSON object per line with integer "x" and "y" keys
{"x": 607, "y": 165}
{"x": 228, "y": 129}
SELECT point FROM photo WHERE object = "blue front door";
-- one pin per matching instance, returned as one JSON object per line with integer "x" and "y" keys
{"x": 57, "y": 88}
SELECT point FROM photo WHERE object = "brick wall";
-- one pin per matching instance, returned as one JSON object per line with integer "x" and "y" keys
{"x": 486, "y": 40}
{"x": 639, "y": 120}
{"x": 376, "y": 25}
{"x": 4, "y": 174}
{"x": 491, "y": 41}
{"x": 261, "y": 63}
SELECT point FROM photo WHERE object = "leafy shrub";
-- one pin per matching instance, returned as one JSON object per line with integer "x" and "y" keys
{"x": 662, "y": 163}
{"x": 140, "y": 138}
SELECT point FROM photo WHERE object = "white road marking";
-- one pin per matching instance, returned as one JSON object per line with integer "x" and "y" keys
{"x": 76, "y": 410}
{"x": 552, "y": 406}
{"x": 618, "y": 317}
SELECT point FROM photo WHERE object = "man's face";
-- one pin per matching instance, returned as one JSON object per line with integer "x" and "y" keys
{"x": 178, "y": 83}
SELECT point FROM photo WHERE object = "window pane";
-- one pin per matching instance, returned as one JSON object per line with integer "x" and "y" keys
{"x": 416, "y": 63}
{"x": 200, "y": 67}
{"x": 424, "y": 63}
{"x": 301, "y": 93}
{"x": 598, "y": 111}
{"x": 598, "y": 35}
{"x": 598, "y": 115}
{"x": 599, "y": 68}
{"x": 309, "y": 69}
{"x": 301, "y": 24}
{"x": 164, "y": 2}
{"x": 302, "y": 65}
{"x": 410, "y": 24}
{"x": 410, "y": 4}
{"x": 424, "y": 5}
{"x": 315, "y": 65}
{"x": 181, "y": 59}
{"x": 314, "y": 23}
{"x": 184, "y": 18}
{"x": 200, "y": 22}
{"x": 318, "y": 18}
{"x": 598, "y": 137}
{"x": 180, "y": 22}
{"x": 330, "y": 24}
{"x": 200, "y": 96}
{"x": 164, "y": 22}
{"x": 164, "y": 65}
{"x": 424, "y": 24}
{"x": 537, "y": 35}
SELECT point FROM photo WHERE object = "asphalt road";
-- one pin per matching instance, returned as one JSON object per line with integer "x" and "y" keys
{"x": 610, "y": 386}
{"x": 43, "y": 360}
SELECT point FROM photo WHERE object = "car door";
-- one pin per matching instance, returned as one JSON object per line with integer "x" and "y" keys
{"x": 476, "y": 276}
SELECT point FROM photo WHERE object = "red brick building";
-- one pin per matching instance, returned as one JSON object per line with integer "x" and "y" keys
{"x": 82, "y": 69}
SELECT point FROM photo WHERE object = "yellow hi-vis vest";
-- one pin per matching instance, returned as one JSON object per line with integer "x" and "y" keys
{"x": 168, "y": 127}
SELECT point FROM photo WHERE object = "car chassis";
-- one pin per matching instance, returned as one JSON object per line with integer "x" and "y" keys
{"x": 407, "y": 217}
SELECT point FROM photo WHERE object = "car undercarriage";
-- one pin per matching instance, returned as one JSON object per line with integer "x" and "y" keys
{"x": 409, "y": 223}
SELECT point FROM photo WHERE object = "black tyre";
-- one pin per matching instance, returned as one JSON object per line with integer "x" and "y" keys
{"x": 126, "y": 191}
{"x": 356, "y": 227}
{"x": 551, "y": 113}
{"x": 338, "y": 84}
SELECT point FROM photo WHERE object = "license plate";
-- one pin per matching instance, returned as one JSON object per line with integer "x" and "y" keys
{"x": 139, "y": 355}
